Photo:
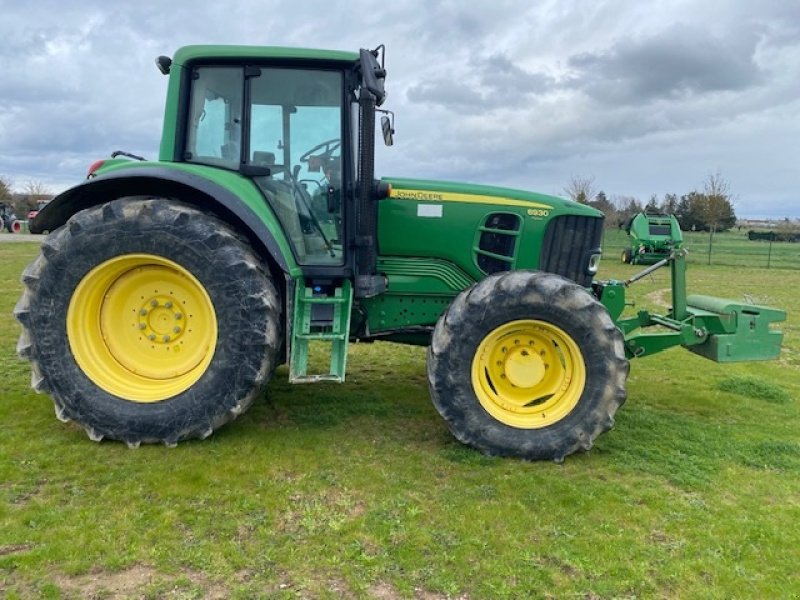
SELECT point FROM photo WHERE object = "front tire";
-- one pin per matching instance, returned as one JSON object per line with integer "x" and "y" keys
{"x": 148, "y": 321}
{"x": 527, "y": 364}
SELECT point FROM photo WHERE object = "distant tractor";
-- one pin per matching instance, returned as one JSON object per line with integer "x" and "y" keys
{"x": 653, "y": 237}
{"x": 8, "y": 220}
{"x": 169, "y": 290}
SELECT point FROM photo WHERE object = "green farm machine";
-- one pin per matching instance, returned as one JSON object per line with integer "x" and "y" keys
{"x": 653, "y": 237}
{"x": 169, "y": 290}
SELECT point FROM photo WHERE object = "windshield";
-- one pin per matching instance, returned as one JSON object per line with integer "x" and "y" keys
{"x": 295, "y": 129}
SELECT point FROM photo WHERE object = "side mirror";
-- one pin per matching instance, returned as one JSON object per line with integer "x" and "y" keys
{"x": 164, "y": 63}
{"x": 388, "y": 131}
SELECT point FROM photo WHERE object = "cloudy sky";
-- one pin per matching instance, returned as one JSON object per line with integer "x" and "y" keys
{"x": 646, "y": 97}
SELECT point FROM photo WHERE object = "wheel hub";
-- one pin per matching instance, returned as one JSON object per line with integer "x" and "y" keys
{"x": 160, "y": 321}
{"x": 142, "y": 327}
{"x": 528, "y": 374}
{"x": 524, "y": 367}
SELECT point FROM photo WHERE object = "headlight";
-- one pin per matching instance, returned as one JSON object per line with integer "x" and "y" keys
{"x": 594, "y": 264}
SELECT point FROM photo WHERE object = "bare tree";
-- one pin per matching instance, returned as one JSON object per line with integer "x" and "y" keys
{"x": 581, "y": 189}
{"x": 33, "y": 193}
{"x": 35, "y": 189}
{"x": 5, "y": 189}
{"x": 717, "y": 207}
{"x": 627, "y": 208}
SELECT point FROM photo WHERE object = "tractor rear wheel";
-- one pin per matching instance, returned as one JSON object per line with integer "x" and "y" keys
{"x": 148, "y": 321}
{"x": 527, "y": 364}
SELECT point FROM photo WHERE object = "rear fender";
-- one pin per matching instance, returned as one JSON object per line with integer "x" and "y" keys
{"x": 170, "y": 183}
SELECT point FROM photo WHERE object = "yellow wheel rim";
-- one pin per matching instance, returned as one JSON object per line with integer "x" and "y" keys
{"x": 141, "y": 327}
{"x": 528, "y": 374}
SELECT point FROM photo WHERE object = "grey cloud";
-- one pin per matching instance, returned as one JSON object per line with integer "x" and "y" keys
{"x": 447, "y": 93}
{"x": 499, "y": 73}
{"x": 681, "y": 60}
{"x": 484, "y": 83}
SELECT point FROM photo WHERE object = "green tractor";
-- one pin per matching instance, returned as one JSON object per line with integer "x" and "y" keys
{"x": 168, "y": 291}
{"x": 653, "y": 237}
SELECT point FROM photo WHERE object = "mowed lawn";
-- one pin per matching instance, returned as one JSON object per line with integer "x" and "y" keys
{"x": 359, "y": 491}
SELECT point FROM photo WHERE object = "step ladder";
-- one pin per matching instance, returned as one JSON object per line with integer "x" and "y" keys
{"x": 323, "y": 316}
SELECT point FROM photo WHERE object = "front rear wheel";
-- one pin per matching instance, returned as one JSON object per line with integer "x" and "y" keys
{"x": 527, "y": 364}
{"x": 148, "y": 321}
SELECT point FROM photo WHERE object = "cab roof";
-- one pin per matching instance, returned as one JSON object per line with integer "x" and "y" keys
{"x": 204, "y": 52}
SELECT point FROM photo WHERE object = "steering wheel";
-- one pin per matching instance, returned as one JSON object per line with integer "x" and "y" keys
{"x": 328, "y": 147}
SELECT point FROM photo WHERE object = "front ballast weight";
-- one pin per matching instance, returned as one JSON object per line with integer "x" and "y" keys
{"x": 719, "y": 329}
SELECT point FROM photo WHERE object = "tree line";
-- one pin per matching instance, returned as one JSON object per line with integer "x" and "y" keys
{"x": 709, "y": 209}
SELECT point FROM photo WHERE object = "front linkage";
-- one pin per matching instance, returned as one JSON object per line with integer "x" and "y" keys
{"x": 718, "y": 329}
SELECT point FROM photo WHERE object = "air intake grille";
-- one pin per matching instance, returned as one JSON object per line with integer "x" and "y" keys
{"x": 568, "y": 245}
{"x": 497, "y": 244}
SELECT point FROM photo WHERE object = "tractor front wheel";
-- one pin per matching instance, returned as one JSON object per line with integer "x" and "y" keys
{"x": 527, "y": 364}
{"x": 148, "y": 321}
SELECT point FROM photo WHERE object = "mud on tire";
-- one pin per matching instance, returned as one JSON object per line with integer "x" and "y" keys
{"x": 539, "y": 302}
{"x": 241, "y": 294}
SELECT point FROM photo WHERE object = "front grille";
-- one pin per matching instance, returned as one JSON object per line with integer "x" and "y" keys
{"x": 569, "y": 242}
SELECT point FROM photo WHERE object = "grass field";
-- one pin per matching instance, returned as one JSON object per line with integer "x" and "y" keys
{"x": 359, "y": 491}
{"x": 730, "y": 248}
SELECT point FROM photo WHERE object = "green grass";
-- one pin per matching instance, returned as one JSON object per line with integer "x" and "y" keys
{"x": 360, "y": 491}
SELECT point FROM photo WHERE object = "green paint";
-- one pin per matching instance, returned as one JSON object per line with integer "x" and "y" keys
{"x": 653, "y": 237}
{"x": 330, "y": 326}
{"x": 423, "y": 276}
{"x": 748, "y": 336}
{"x": 404, "y": 230}
{"x": 207, "y": 53}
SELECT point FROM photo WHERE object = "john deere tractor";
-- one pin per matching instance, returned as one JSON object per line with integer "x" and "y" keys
{"x": 168, "y": 290}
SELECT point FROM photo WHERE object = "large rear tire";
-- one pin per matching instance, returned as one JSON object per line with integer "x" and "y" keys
{"x": 527, "y": 364}
{"x": 148, "y": 321}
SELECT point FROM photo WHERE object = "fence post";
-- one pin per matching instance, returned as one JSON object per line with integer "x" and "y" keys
{"x": 710, "y": 240}
{"x": 769, "y": 252}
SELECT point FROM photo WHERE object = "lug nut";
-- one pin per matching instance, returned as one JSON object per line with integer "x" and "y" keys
{"x": 167, "y": 304}
{"x": 165, "y": 338}
{"x": 178, "y": 316}
{"x": 143, "y": 312}
{"x": 151, "y": 337}
{"x": 142, "y": 326}
{"x": 176, "y": 329}
{"x": 153, "y": 303}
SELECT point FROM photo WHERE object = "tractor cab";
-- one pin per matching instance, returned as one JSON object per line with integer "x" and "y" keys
{"x": 284, "y": 128}
{"x": 295, "y": 126}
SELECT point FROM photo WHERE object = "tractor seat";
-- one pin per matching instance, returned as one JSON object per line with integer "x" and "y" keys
{"x": 263, "y": 159}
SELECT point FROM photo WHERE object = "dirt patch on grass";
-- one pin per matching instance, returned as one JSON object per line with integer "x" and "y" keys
{"x": 141, "y": 581}
{"x": 662, "y": 298}
{"x": 14, "y": 548}
{"x": 385, "y": 591}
